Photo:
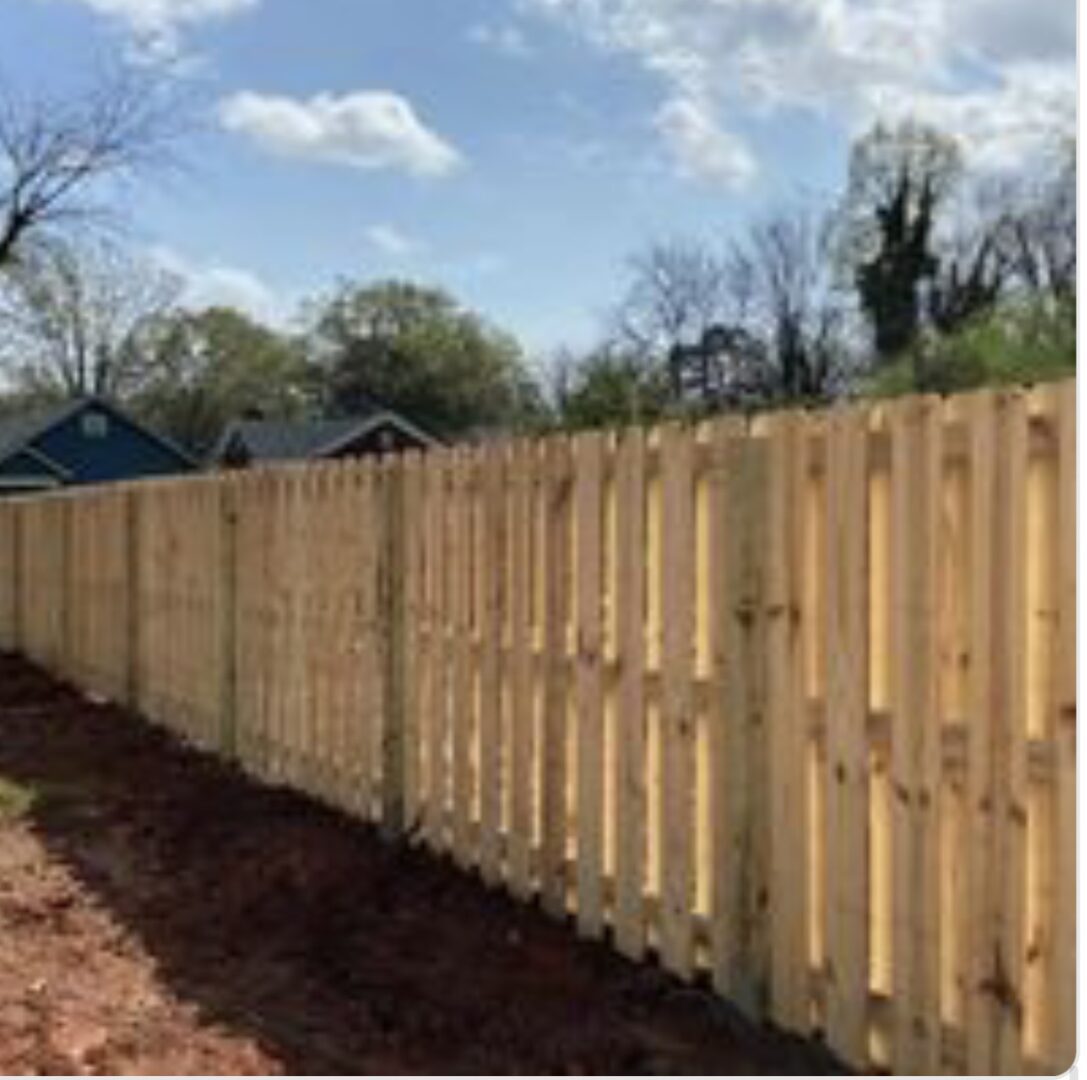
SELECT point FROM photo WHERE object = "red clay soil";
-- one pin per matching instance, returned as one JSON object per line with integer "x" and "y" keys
{"x": 160, "y": 913}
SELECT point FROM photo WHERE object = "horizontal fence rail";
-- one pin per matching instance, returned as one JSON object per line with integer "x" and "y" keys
{"x": 789, "y": 701}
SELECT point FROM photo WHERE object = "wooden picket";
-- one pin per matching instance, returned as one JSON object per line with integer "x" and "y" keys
{"x": 788, "y": 700}
{"x": 588, "y": 462}
{"x": 630, "y": 758}
{"x": 556, "y": 572}
{"x": 524, "y": 781}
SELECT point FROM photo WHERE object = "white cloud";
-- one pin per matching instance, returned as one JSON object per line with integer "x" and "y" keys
{"x": 986, "y": 69}
{"x": 213, "y": 283}
{"x": 703, "y": 150}
{"x": 367, "y": 129}
{"x": 999, "y": 128}
{"x": 1001, "y": 31}
{"x": 391, "y": 241}
{"x": 157, "y": 25}
{"x": 503, "y": 38}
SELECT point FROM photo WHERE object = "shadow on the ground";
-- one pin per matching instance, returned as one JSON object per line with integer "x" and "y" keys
{"x": 337, "y": 953}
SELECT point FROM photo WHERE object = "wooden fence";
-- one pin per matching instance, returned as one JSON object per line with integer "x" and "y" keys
{"x": 790, "y": 702}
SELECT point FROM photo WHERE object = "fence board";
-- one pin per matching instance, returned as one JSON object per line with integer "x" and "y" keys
{"x": 846, "y": 837}
{"x": 414, "y": 658}
{"x": 1009, "y": 728}
{"x": 788, "y": 736}
{"x": 523, "y": 748}
{"x": 557, "y": 500}
{"x": 630, "y": 758}
{"x": 493, "y": 572}
{"x": 1062, "y": 989}
{"x": 980, "y": 1019}
{"x": 738, "y": 765}
{"x": 460, "y": 554}
{"x": 588, "y": 468}
{"x": 435, "y": 705}
{"x": 677, "y": 711}
{"x": 915, "y": 753}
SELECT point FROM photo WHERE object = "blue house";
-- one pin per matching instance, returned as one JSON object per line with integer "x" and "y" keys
{"x": 86, "y": 441}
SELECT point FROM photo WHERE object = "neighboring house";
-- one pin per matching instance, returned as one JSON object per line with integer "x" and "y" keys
{"x": 86, "y": 441}
{"x": 256, "y": 442}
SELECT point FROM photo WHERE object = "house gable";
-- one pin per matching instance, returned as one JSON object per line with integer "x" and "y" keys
{"x": 88, "y": 442}
{"x": 381, "y": 438}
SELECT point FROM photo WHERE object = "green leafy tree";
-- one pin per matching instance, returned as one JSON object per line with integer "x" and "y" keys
{"x": 417, "y": 350}
{"x": 204, "y": 369}
{"x": 609, "y": 387}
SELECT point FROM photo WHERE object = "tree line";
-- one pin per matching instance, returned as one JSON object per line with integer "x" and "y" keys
{"x": 919, "y": 275}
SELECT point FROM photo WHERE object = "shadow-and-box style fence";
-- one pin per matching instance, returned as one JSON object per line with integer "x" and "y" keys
{"x": 788, "y": 700}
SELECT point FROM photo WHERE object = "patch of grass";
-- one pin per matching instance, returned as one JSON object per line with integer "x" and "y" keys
{"x": 16, "y": 800}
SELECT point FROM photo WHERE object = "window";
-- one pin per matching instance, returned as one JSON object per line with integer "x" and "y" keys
{"x": 94, "y": 425}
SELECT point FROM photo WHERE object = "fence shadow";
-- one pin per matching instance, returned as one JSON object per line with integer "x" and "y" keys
{"x": 287, "y": 922}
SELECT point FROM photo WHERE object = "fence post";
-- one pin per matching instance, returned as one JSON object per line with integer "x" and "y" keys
{"x": 228, "y": 615}
{"x": 392, "y": 584}
{"x": 134, "y": 578}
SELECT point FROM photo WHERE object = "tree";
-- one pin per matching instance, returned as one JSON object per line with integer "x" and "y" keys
{"x": 898, "y": 180}
{"x": 1005, "y": 275}
{"x": 607, "y": 387}
{"x": 417, "y": 350}
{"x": 1041, "y": 237}
{"x": 968, "y": 282}
{"x": 70, "y": 314}
{"x": 57, "y": 155}
{"x": 678, "y": 290}
{"x": 206, "y": 368}
{"x": 781, "y": 280}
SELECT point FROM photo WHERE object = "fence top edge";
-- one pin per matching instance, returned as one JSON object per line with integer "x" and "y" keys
{"x": 1041, "y": 401}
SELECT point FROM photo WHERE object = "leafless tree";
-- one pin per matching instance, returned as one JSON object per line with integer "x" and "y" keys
{"x": 1008, "y": 238}
{"x": 974, "y": 265}
{"x": 1042, "y": 241}
{"x": 70, "y": 316}
{"x": 57, "y": 156}
{"x": 781, "y": 276}
{"x": 678, "y": 288}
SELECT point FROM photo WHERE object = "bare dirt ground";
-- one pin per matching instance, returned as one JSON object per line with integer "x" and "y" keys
{"x": 159, "y": 913}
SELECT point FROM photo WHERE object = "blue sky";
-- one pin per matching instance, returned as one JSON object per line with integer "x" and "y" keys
{"x": 517, "y": 151}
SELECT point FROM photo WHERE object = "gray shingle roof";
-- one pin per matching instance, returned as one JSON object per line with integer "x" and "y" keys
{"x": 294, "y": 440}
{"x": 284, "y": 440}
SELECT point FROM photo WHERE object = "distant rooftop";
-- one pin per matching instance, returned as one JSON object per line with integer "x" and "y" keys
{"x": 295, "y": 440}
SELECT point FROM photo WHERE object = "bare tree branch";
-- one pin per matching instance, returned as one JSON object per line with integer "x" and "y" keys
{"x": 56, "y": 156}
